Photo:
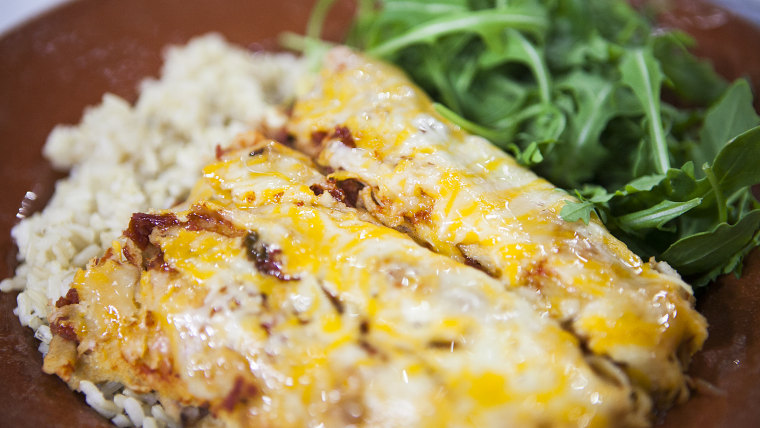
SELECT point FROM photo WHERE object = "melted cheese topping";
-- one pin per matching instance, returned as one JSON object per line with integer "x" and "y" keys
{"x": 472, "y": 202}
{"x": 295, "y": 311}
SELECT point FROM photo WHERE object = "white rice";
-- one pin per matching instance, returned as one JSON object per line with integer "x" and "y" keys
{"x": 125, "y": 159}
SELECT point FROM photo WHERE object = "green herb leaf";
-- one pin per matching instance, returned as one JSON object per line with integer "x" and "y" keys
{"x": 574, "y": 211}
{"x": 736, "y": 166}
{"x": 594, "y": 105}
{"x": 643, "y": 183}
{"x": 705, "y": 251}
{"x": 656, "y": 216}
{"x": 731, "y": 116}
{"x": 694, "y": 80}
{"x": 641, "y": 72}
{"x": 478, "y": 21}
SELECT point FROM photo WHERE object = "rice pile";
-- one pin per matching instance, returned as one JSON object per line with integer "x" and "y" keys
{"x": 125, "y": 159}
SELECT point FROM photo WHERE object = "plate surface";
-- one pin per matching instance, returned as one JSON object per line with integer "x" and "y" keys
{"x": 56, "y": 65}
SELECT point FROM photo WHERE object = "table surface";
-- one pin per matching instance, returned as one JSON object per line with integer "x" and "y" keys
{"x": 15, "y": 12}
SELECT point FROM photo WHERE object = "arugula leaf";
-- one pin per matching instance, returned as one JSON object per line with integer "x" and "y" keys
{"x": 513, "y": 46}
{"x": 594, "y": 106}
{"x": 731, "y": 116}
{"x": 642, "y": 74}
{"x": 643, "y": 183}
{"x": 736, "y": 166}
{"x": 656, "y": 216}
{"x": 692, "y": 79}
{"x": 574, "y": 211}
{"x": 477, "y": 21}
{"x": 707, "y": 250}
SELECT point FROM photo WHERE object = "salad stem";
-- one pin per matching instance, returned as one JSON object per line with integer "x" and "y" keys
{"x": 431, "y": 30}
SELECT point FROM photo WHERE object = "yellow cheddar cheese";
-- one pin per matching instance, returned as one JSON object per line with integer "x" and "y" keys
{"x": 269, "y": 301}
{"x": 468, "y": 200}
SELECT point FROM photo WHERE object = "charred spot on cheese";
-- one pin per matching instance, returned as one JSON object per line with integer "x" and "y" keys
{"x": 536, "y": 274}
{"x": 256, "y": 152}
{"x": 71, "y": 298}
{"x": 333, "y": 299}
{"x": 364, "y": 326}
{"x": 202, "y": 218}
{"x": 335, "y": 191}
{"x": 150, "y": 319}
{"x": 472, "y": 261}
{"x": 279, "y": 134}
{"x": 218, "y": 152}
{"x": 149, "y": 257}
{"x": 265, "y": 258}
{"x": 153, "y": 259}
{"x": 64, "y": 329}
{"x": 241, "y": 392}
{"x": 368, "y": 347}
{"x": 267, "y": 327}
{"x": 109, "y": 252}
{"x": 141, "y": 225}
{"x": 422, "y": 212}
{"x": 421, "y": 216}
{"x": 345, "y": 191}
{"x": 343, "y": 134}
{"x": 317, "y": 189}
{"x": 131, "y": 254}
{"x": 317, "y": 137}
{"x": 350, "y": 188}
{"x": 320, "y": 137}
{"x": 443, "y": 344}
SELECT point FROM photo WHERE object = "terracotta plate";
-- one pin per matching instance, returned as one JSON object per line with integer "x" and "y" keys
{"x": 51, "y": 68}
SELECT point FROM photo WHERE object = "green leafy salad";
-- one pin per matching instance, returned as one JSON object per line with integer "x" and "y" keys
{"x": 574, "y": 90}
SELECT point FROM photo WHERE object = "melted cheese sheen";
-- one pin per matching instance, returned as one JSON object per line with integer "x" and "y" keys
{"x": 350, "y": 324}
{"x": 474, "y": 203}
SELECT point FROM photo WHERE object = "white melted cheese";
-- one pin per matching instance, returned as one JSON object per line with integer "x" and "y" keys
{"x": 443, "y": 342}
{"x": 468, "y": 200}
{"x": 439, "y": 335}
{"x": 369, "y": 329}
